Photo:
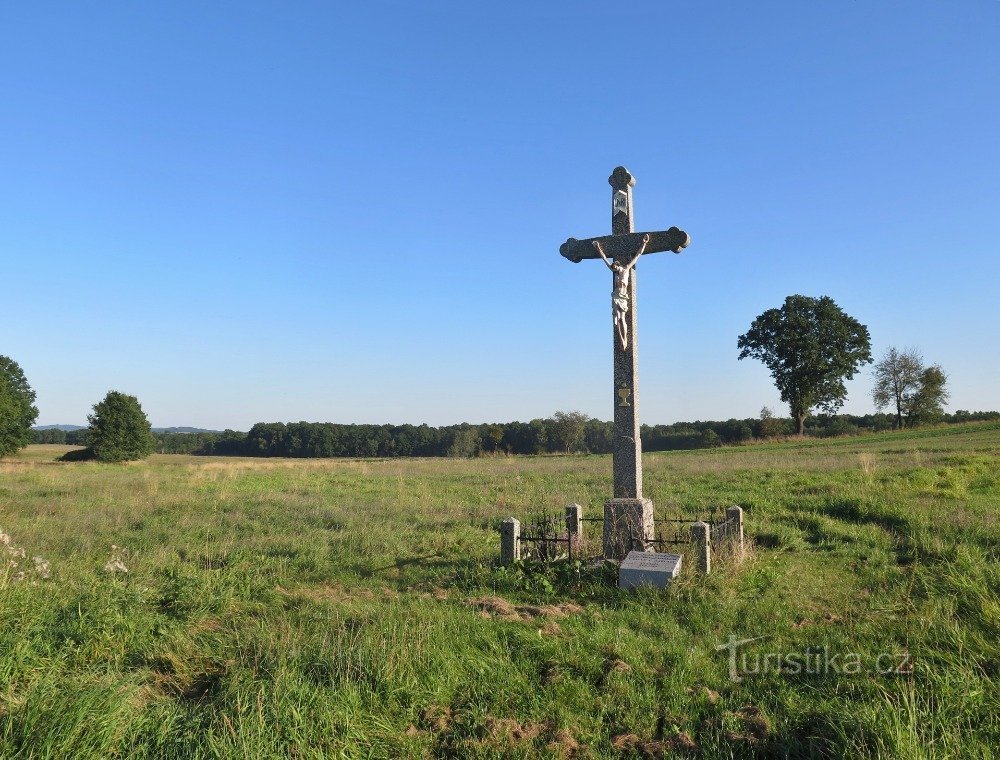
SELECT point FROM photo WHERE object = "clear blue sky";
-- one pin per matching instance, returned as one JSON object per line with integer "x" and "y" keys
{"x": 352, "y": 212}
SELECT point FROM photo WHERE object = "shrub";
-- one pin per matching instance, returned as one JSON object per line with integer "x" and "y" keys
{"x": 119, "y": 430}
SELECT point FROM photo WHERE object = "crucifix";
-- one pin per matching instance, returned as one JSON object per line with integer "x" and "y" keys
{"x": 621, "y": 251}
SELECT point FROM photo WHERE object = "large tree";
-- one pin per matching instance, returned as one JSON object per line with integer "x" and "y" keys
{"x": 119, "y": 429}
{"x": 899, "y": 378}
{"x": 811, "y": 347}
{"x": 17, "y": 407}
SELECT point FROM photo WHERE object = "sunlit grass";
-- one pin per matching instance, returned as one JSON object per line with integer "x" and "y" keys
{"x": 277, "y": 608}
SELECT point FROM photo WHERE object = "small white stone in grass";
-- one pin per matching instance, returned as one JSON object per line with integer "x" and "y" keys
{"x": 4, "y": 539}
{"x": 42, "y": 567}
{"x": 115, "y": 566}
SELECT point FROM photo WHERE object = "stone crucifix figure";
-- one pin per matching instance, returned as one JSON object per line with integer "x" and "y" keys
{"x": 619, "y": 290}
{"x": 628, "y": 517}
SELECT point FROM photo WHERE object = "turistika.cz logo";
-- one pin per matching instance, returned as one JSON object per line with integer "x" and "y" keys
{"x": 819, "y": 661}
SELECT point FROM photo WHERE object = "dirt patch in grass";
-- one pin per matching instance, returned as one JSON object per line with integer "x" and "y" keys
{"x": 492, "y": 606}
{"x": 498, "y": 607}
{"x": 436, "y": 718}
{"x": 617, "y": 666}
{"x": 560, "y": 742}
{"x": 680, "y": 743}
{"x": 755, "y": 727}
{"x": 513, "y": 730}
{"x": 564, "y": 745}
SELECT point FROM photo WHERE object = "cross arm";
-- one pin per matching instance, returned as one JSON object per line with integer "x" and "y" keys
{"x": 621, "y": 247}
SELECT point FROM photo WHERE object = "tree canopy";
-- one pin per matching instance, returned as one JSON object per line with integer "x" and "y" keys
{"x": 811, "y": 347}
{"x": 931, "y": 396}
{"x": 917, "y": 392}
{"x": 119, "y": 429}
{"x": 17, "y": 407}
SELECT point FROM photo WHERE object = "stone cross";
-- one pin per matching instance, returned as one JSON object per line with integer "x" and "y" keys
{"x": 620, "y": 251}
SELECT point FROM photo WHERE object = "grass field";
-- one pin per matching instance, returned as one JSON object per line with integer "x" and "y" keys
{"x": 328, "y": 608}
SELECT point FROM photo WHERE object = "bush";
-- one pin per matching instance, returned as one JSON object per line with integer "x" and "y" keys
{"x": 119, "y": 430}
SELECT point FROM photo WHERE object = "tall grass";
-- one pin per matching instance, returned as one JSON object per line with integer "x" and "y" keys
{"x": 318, "y": 608}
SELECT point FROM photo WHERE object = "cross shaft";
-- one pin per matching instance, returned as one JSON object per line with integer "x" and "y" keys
{"x": 620, "y": 252}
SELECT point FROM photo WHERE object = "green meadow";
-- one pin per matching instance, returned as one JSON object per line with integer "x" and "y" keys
{"x": 277, "y": 608}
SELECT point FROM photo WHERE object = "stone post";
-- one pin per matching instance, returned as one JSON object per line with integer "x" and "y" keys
{"x": 735, "y": 514}
{"x": 701, "y": 540}
{"x": 574, "y": 523}
{"x": 510, "y": 541}
{"x": 628, "y": 526}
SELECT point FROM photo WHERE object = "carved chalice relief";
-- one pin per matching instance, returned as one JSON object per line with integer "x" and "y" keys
{"x": 619, "y": 290}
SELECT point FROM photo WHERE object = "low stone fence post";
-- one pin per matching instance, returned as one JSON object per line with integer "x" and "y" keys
{"x": 574, "y": 524}
{"x": 735, "y": 516}
{"x": 510, "y": 541}
{"x": 701, "y": 541}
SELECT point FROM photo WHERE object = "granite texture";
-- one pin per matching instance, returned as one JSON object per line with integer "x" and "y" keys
{"x": 628, "y": 526}
{"x": 574, "y": 519}
{"x": 648, "y": 569}
{"x": 510, "y": 541}
{"x": 626, "y": 459}
{"x": 701, "y": 543}
{"x": 623, "y": 247}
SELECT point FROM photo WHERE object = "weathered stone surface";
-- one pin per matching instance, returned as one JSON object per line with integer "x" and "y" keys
{"x": 731, "y": 530}
{"x": 621, "y": 179}
{"x": 574, "y": 520}
{"x": 624, "y": 246}
{"x": 626, "y": 452}
{"x": 628, "y": 526}
{"x": 648, "y": 569}
{"x": 701, "y": 542}
{"x": 510, "y": 541}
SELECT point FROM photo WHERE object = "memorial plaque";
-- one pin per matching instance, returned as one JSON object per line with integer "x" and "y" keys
{"x": 648, "y": 569}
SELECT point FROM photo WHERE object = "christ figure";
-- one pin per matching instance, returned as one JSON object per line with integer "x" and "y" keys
{"x": 619, "y": 290}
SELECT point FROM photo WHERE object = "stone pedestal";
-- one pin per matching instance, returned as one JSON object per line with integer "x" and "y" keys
{"x": 628, "y": 525}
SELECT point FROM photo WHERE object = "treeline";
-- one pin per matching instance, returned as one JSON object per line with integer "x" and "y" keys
{"x": 55, "y": 435}
{"x": 563, "y": 432}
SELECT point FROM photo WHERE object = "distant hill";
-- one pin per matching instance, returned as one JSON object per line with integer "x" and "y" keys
{"x": 67, "y": 428}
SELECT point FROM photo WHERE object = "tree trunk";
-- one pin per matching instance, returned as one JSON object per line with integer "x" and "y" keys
{"x": 802, "y": 424}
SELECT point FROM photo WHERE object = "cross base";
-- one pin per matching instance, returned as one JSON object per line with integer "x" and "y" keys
{"x": 628, "y": 526}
